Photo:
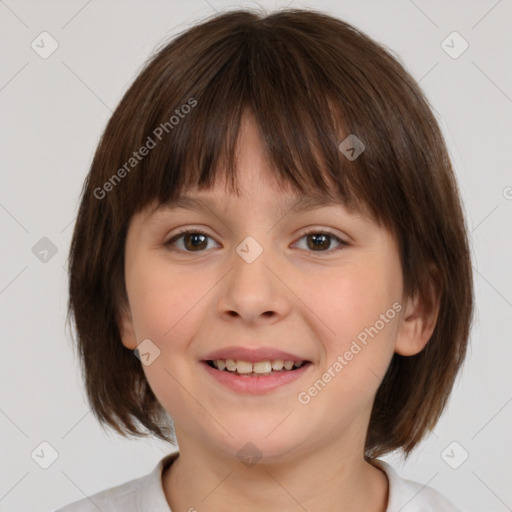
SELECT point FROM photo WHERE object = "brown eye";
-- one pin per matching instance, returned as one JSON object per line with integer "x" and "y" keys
{"x": 193, "y": 241}
{"x": 319, "y": 241}
{"x": 197, "y": 241}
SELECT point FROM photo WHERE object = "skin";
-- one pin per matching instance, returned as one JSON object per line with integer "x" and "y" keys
{"x": 309, "y": 302}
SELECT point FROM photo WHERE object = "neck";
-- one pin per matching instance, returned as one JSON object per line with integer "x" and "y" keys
{"x": 321, "y": 479}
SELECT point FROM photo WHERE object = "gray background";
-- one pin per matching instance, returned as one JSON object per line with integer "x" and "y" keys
{"x": 53, "y": 111}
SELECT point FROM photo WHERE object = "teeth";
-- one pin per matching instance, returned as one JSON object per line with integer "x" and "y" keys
{"x": 277, "y": 365}
{"x": 243, "y": 367}
{"x": 260, "y": 367}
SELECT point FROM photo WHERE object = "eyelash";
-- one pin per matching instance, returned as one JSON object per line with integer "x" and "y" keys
{"x": 180, "y": 234}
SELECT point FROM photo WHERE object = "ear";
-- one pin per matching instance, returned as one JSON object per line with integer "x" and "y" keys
{"x": 126, "y": 329}
{"x": 418, "y": 321}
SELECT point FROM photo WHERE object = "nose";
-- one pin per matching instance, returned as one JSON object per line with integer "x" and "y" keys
{"x": 253, "y": 291}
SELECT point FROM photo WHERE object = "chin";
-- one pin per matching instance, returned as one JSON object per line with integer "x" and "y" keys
{"x": 267, "y": 442}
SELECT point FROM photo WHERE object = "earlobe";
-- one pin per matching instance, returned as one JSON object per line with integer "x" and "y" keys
{"x": 126, "y": 330}
{"x": 418, "y": 323}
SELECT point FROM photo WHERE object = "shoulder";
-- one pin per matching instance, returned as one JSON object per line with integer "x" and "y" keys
{"x": 409, "y": 496}
{"x": 120, "y": 497}
{"x": 137, "y": 495}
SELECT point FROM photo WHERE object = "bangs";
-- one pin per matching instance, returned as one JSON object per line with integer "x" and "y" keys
{"x": 193, "y": 118}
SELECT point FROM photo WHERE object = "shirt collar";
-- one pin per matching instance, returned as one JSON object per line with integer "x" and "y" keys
{"x": 153, "y": 497}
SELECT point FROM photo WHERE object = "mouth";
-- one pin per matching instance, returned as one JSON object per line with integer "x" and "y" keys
{"x": 256, "y": 377}
{"x": 256, "y": 368}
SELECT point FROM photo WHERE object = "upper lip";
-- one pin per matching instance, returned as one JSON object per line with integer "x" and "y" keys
{"x": 252, "y": 354}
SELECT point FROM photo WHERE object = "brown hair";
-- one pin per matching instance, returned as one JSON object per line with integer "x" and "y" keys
{"x": 309, "y": 80}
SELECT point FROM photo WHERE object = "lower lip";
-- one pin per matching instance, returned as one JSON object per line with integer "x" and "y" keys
{"x": 256, "y": 385}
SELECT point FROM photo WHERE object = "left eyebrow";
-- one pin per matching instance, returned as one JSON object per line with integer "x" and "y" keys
{"x": 310, "y": 202}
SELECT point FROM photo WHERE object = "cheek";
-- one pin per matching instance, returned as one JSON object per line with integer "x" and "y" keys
{"x": 165, "y": 305}
{"x": 358, "y": 343}
{"x": 356, "y": 305}
{"x": 352, "y": 299}
{"x": 162, "y": 298}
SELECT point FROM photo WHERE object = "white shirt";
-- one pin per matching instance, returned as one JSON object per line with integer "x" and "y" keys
{"x": 146, "y": 494}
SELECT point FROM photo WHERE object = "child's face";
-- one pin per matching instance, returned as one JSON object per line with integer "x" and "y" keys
{"x": 311, "y": 303}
